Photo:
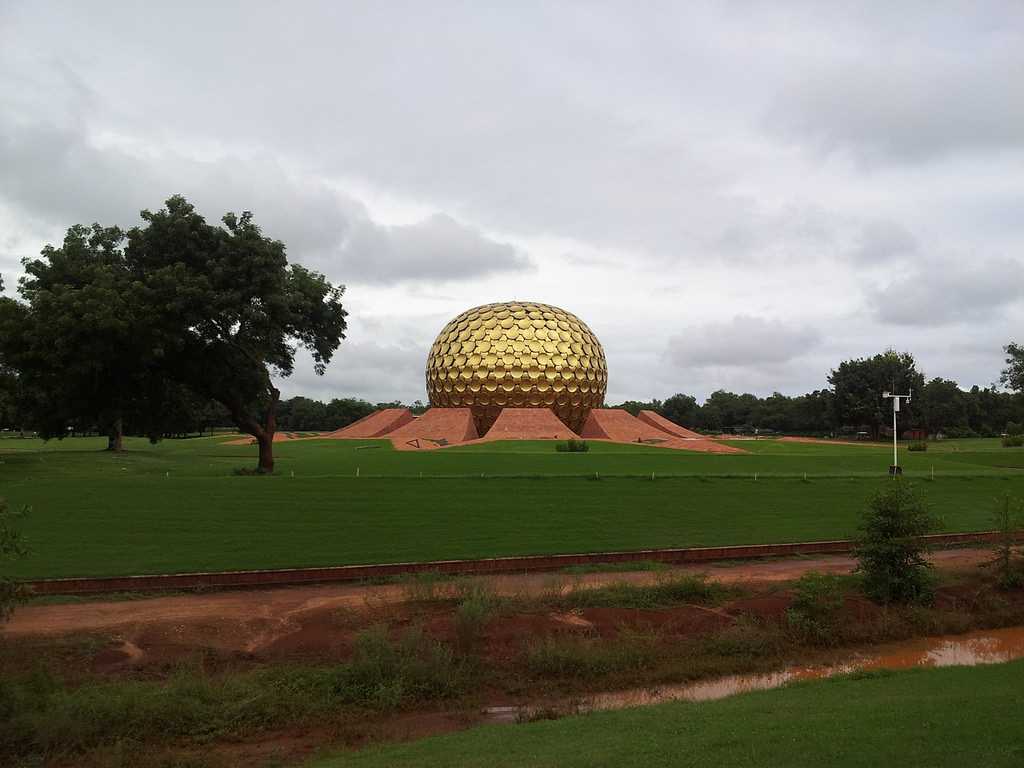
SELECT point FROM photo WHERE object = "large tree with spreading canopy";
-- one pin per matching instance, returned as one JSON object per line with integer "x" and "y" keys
{"x": 228, "y": 312}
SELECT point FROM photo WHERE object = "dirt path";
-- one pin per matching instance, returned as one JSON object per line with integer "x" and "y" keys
{"x": 255, "y": 612}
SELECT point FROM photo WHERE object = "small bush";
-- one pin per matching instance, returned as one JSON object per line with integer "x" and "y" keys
{"x": 1006, "y": 519}
{"x": 814, "y": 614}
{"x": 1014, "y": 428}
{"x": 572, "y": 446}
{"x": 12, "y": 547}
{"x": 917, "y": 445}
{"x": 890, "y": 551}
{"x": 1013, "y": 441}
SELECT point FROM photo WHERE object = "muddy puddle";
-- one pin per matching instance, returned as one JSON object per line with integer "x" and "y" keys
{"x": 985, "y": 647}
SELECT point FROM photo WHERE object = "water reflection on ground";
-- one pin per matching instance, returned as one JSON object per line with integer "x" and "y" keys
{"x": 986, "y": 647}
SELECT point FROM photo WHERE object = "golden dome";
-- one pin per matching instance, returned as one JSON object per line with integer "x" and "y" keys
{"x": 517, "y": 354}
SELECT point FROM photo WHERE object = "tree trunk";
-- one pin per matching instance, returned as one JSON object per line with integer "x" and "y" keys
{"x": 115, "y": 438}
{"x": 266, "y": 461}
{"x": 266, "y": 439}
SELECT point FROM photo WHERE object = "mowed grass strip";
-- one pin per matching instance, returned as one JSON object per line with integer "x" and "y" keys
{"x": 176, "y": 506}
{"x": 940, "y": 717}
{"x": 136, "y": 525}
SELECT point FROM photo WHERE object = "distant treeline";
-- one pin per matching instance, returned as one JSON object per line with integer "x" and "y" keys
{"x": 853, "y": 403}
{"x": 941, "y": 408}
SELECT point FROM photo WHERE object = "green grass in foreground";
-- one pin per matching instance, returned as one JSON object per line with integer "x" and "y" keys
{"x": 946, "y": 717}
{"x": 177, "y": 507}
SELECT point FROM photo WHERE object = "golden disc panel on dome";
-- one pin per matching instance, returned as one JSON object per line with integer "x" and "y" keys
{"x": 522, "y": 353}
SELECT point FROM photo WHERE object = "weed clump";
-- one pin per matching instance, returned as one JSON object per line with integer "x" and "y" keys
{"x": 588, "y": 657}
{"x": 814, "y": 613}
{"x": 1004, "y": 563}
{"x": 664, "y": 593}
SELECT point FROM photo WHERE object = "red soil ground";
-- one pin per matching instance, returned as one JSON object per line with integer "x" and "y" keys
{"x": 245, "y": 620}
{"x": 435, "y": 428}
{"x": 376, "y": 424}
{"x": 529, "y": 424}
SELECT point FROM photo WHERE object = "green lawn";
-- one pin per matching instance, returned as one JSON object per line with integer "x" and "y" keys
{"x": 953, "y": 717}
{"x": 177, "y": 507}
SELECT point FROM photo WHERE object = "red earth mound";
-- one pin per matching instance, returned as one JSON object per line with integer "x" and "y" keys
{"x": 435, "y": 428}
{"x": 529, "y": 424}
{"x": 658, "y": 421}
{"x": 620, "y": 426}
{"x": 376, "y": 424}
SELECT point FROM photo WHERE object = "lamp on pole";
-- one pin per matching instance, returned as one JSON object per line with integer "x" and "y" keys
{"x": 895, "y": 469}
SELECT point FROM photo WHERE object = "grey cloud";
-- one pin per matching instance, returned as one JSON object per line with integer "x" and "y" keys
{"x": 376, "y": 372}
{"x": 937, "y": 293}
{"x": 743, "y": 341}
{"x": 436, "y": 248}
{"x": 57, "y": 175}
{"x": 911, "y": 106}
{"x": 882, "y": 240}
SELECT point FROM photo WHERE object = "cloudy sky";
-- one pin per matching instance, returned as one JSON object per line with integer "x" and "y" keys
{"x": 731, "y": 194}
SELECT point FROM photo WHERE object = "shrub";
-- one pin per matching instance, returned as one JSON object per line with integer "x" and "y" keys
{"x": 1006, "y": 519}
{"x": 1014, "y": 428}
{"x": 1013, "y": 441}
{"x": 890, "y": 551}
{"x": 917, "y": 445}
{"x": 12, "y": 546}
{"x": 572, "y": 446}
{"x": 814, "y": 613}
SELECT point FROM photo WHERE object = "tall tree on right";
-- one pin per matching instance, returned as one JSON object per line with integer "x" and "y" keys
{"x": 857, "y": 387}
{"x": 1013, "y": 373}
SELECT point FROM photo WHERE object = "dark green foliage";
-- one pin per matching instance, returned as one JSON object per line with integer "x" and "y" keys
{"x": 573, "y": 446}
{"x": 858, "y": 386}
{"x": 890, "y": 551}
{"x": 1013, "y": 375}
{"x": 227, "y": 311}
{"x": 1013, "y": 441}
{"x": 1005, "y": 564}
{"x": 12, "y": 546}
{"x": 918, "y": 446}
{"x": 814, "y": 613}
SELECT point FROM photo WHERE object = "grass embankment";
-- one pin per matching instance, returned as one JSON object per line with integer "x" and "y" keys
{"x": 944, "y": 717}
{"x": 176, "y": 506}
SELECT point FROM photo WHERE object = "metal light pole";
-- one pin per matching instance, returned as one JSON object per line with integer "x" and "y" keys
{"x": 895, "y": 469}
